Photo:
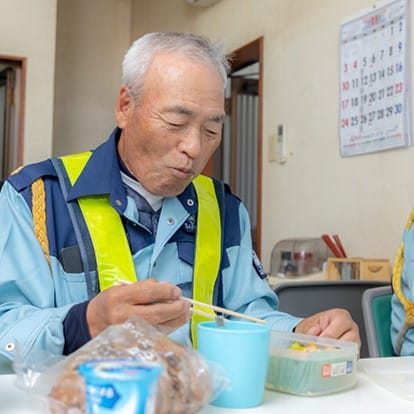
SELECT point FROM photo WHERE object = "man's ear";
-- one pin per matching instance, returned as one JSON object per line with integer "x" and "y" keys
{"x": 124, "y": 105}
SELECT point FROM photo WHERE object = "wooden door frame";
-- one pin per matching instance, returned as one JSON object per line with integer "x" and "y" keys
{"x": 242, "y": 57}
{"x": 8, "y": 81}
{"x": 21, "y": 62}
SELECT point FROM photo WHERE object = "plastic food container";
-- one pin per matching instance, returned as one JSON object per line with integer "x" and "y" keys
{"x": 309, "y": 366}
{"x": 120, "y": 386}
{"x": 298, "y": 257}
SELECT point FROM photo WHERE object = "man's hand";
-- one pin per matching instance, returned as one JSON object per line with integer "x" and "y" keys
{"x": 156, "y": 302}
{"x": 333, "y": 323}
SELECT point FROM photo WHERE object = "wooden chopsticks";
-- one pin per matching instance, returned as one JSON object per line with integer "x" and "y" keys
{"x": 224, "y": 311}
{"x": 218, "y": 318}
{"x": 207, "y": 306}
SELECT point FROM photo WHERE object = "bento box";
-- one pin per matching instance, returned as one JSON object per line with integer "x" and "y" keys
{"x": 309, "y": 365}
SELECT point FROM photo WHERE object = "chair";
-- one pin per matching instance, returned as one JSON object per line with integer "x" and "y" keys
{"x": 309, "y": 297}
{"x": 376, "y": 309}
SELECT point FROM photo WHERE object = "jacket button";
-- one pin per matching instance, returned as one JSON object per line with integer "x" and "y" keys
{"x": 190, "y": 202}
{"x": 9, "y": 347}
{"x": 170, "y": 221}
{"x": 118, "y": 202}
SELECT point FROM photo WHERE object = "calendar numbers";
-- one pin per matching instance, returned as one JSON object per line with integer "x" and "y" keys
{"x": 374, "y": 110}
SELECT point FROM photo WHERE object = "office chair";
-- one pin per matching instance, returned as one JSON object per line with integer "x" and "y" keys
{"x": 376, "y": 309}
{"x": 307, "y": 298}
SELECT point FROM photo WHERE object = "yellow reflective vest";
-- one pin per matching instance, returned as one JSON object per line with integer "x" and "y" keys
{"x": 114, "y": 260}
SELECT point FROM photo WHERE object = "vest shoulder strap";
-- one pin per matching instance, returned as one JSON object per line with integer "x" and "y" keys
{"x": 208, "y": 249}
{"x": 113, "y": 257}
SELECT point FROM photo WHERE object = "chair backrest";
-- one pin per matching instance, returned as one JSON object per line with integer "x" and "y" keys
{"x": 307, "y": 298}
{"x": 376, "y": 309}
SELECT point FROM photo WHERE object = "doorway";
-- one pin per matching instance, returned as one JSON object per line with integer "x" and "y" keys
{"x": 238, "y": 161}
{"x": 12, "y": 77}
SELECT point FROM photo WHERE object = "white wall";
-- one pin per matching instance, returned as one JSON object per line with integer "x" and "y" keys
{"x": 365, "y": 199}
{"x": 92, "y": 37}
{"x": 27, "y": 29}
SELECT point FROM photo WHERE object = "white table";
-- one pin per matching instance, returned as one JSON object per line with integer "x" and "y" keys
{"x": 365, "y": 397}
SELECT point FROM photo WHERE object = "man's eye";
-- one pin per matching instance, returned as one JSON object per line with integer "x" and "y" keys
{"x": 175, "y": 124}
{"x": 211, "y": 132}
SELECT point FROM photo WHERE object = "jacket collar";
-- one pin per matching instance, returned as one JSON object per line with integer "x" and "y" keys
{"x": 101, "y": 175}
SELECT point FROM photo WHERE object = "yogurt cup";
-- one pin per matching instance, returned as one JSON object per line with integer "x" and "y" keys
{"x": 120, "y": 386}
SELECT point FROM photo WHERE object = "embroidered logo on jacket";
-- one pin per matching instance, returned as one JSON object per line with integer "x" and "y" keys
{"x": 190, "y": 225}
{"x": 258, "y": 266}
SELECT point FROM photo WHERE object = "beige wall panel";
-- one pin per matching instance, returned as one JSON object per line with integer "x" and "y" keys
{"x": 28, "y": 29}
{"x": 92, "y": 37}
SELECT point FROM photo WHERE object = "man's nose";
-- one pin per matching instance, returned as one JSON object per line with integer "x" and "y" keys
{"x": 191, "y": 142}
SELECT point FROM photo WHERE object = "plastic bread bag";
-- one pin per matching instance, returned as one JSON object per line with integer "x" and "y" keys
{"x": 187, "y": 382}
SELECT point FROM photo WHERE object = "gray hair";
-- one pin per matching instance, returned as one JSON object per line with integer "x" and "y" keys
{"x": 141, "y": 53}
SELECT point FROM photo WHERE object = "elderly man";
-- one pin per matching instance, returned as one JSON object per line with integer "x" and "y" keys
{"x": 91, "y": 239}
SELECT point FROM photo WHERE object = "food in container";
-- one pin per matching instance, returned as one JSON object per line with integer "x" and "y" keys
{"x": 308, "y": 365}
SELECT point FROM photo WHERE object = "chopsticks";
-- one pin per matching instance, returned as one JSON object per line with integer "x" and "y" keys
{"x": 218, "y": 318}
{"x": 223, "y": 311}
{"x": 339, "y": 244}
{"x": 219, "y": 309}
{"x": 335, "y": 245}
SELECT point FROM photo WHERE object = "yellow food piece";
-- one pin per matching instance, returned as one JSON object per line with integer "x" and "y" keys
{"x": 297, "y": 346}
{"x": 308, "y": 347}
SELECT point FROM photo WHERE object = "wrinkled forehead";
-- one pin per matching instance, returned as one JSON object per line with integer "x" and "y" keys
{"x": 169, "y": 61}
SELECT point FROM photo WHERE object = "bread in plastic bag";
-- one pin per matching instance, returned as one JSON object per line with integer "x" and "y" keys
{"x": 185, "y": 386}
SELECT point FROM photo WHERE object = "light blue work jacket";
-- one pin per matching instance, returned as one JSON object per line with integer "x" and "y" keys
{"x": 36, "y": 297}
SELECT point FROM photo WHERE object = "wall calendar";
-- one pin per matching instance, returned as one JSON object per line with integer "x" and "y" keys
{"x": 375, "y": 77}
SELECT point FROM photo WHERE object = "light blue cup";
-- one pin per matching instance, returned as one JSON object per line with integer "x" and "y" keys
{"x": 242, "y": 350}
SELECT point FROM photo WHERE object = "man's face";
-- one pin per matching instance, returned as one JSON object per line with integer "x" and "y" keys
{"x": 170, "y": 134}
